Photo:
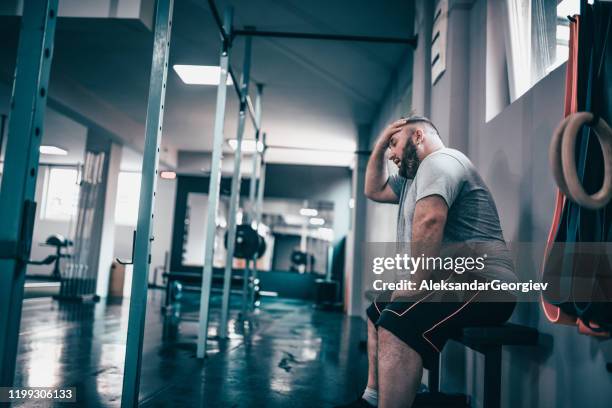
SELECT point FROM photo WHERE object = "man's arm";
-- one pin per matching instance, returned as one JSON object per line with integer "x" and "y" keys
{"x": 428, "y": 224}
{"x": 377, "y": 187}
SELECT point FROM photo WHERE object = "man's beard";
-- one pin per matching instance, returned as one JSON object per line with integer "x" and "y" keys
{"x": 410, "y": 161}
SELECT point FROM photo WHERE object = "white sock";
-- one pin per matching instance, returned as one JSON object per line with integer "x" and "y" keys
{"x": 370, "y": 395}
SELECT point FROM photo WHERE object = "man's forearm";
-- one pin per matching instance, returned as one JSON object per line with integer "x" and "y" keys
{"x": 426, "y": 241}
{"x": 376, "y": 171}
{"x": 428, "y": 224}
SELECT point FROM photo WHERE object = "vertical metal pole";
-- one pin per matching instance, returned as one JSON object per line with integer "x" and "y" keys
{"x": 235, "y": 192}
{"x": 262, "y": 183}
{"x": 251, "y": 265}
{"x": 259, "y": 208}
{"x": 213, "y": 189}
{"x": 253, "y": 181}
{"x": 144, "y": 226}
{"x": 25, "y": 128}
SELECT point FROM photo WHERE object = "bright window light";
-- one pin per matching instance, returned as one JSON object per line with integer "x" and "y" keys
{"x": 200, "y": 74}
{"x": 564, "y": 8}
{"x": 317, "y": 221}
{"x": 52, "y": 150}
{"x": 128, "y": 195}
{"x": 326, "y": 233}
{"x": 309, "y": 212}
{"x": 568, "y": 8}
{"x": 291, "y": 219}
{"x": 248, "y": 146}
{"x": 60, "y": 194}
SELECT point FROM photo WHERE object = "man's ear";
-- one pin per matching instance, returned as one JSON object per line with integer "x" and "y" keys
{"x": 418, "y": 136}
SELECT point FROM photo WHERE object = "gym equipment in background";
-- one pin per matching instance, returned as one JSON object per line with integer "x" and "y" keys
{"x": 45, "y": 285}
{"x": 60, "y": 243}
{"x": 326, "y": 290}
{"x": 248, "y": 244}
{"x": 78, "y": 282}
{"x": 301, "y": 259}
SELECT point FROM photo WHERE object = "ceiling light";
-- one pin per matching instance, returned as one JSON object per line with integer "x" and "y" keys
{"x": 248, "y": 146}
{"x": 52, "y": 150}
{"x": 200, "y": 74}
{"x": 309, "y": 212}
{"x": 168, "y": 175}
{"x": 317, "y": 221}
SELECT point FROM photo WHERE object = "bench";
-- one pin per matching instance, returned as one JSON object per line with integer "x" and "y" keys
{"x": 489, "y": 341}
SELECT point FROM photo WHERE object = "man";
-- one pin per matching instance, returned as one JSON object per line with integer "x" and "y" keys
{"x": 442, "y": 199}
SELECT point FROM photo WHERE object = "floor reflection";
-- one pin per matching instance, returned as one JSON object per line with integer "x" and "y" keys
{"x": 286, "y": 354}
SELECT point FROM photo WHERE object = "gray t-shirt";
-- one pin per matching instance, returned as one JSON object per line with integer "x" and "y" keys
{"x": 472, "y": 215}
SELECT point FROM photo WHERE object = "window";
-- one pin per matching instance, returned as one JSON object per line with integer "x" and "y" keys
{"x": 60, "y": 194}
{"x": 128, "y": 195}
{"x": 536, "y": 40}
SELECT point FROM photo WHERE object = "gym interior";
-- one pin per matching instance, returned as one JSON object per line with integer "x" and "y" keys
{"x": 182, "y": 206}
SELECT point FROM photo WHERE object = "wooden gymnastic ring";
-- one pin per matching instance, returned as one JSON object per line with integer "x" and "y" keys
{"x": 568, "y": 160}
{"x": 554, "y": 156}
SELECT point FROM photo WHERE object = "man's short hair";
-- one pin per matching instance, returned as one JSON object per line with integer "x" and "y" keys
{"x": 411, "y": 119}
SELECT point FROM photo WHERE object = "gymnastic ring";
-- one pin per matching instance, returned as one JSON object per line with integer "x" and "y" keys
{"x": 568, "y": 154}
{"x": 554, "y": 156}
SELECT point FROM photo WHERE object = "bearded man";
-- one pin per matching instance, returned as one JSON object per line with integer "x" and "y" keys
{"x": 442, "y": 199}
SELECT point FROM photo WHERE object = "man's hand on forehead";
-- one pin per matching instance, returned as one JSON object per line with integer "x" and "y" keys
{"x": 392, "y": 129}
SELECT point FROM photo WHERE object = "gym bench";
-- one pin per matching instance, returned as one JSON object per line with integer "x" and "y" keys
{"x": 487, "y": 340}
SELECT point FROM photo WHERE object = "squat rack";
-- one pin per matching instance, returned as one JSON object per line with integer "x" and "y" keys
{"x": 17, "y": 194}
{"x": 155, "y": 110}
{"x": 227, "y": 34}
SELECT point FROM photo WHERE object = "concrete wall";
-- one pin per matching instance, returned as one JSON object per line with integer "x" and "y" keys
{"x": 510, "y": 151}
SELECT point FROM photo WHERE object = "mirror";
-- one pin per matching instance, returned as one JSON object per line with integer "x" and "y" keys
{"x": 298, "y": 233}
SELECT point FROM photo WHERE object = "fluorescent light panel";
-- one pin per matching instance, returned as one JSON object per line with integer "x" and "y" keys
{"x": 317, "y": 221}
{"x": 248, "y": 146}
{"x": 52, "y": 150}
{"x": 309, "y": 212}
{"x": 200, "y": 74}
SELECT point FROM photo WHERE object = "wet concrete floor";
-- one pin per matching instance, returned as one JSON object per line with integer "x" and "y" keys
{"x": 290, "y": 355}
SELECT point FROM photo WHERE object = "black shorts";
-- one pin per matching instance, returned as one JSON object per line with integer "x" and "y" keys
{"x": 426, "y": 325}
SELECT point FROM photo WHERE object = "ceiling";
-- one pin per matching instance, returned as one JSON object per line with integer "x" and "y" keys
{"x": 316, "y": 93}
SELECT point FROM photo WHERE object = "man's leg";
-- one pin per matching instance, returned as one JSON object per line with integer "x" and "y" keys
{"x": 400, "y": 370}
{"x": 372, "y": 356}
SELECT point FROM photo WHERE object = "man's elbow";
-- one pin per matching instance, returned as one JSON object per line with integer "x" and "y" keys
{"x": 433, "y": 221}
{"x": 368, "y": 192}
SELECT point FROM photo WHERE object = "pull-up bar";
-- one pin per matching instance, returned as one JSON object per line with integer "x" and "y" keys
{"x": 412, "y": 41}
{"x": 249, "y": 32}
